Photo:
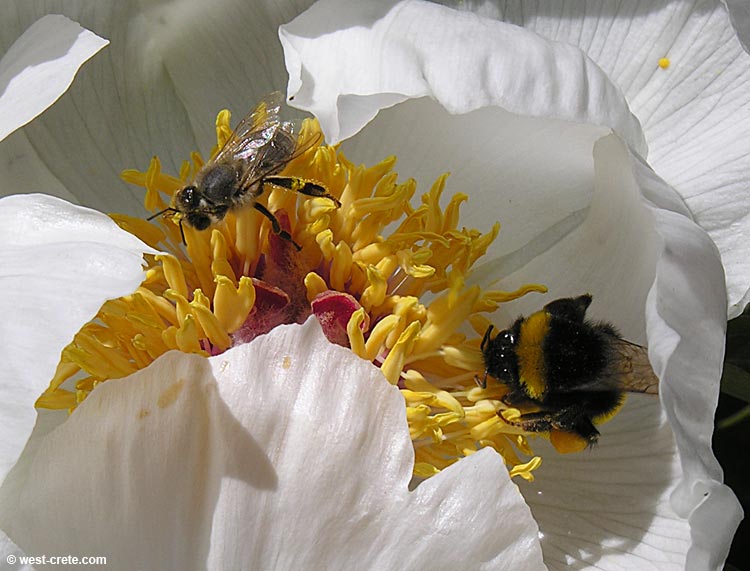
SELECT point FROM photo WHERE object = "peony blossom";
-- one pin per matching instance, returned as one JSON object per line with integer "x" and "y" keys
{"x": 540, "y": 138}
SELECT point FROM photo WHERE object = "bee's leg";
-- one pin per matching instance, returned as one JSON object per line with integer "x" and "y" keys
{"x": 302, "y": 186}
{"x": 533, "y": 421}
{"x": 562, "y": 420}
{"x": 275, "y": 225}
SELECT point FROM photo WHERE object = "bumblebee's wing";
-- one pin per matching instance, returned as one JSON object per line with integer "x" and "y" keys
{"x": 255, "y": 130}
{"x": 633, "y": 368}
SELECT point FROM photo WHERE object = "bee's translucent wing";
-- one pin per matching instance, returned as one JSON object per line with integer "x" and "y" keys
{"x": 276, "y": 154}
{"x": 255, "y": 130}
{"x": 633, "y": 368}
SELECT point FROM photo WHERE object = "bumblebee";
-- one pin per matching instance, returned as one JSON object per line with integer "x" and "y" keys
{"x": 570, "y": 372}
{"x": 258, "y": 149}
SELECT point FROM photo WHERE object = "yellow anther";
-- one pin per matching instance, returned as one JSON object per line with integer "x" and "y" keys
{"x": 377, "y": 341}
{"x": 63, "y": 372}
{"x": 181, "y": 304}
{"x": 315, "y": 285}
{"x": 187, "y": 336}
{"x": 526, "y": 470}
{"x": 248, "y": 223}
{"x": 220, "y": 265}
{"x": 325, "y": 243}
{"x": 374, "y": 293}
{"x": 59, "y": 399}
{"x": 199, "y": 298}
{"x": 233, "y": 304}
{"x": 490, "y": 299}
{"x": 173, "y": 273}
{"x": 223, "y": 128}
{"x": 413, "y": 263}
{"x": 394, "y": 362}
{"x": 214, "y": 330}
{"x": 354, "y": 332}
{"x": 341, "y": 266}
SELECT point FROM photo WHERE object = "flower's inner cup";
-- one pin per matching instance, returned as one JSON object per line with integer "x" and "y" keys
{"x": 384, "y": 278}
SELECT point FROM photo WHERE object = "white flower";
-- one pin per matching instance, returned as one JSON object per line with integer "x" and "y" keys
{"x": 537, "y": 157}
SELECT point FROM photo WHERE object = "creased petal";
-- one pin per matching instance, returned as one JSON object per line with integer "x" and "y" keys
{"x": 695, "y": 112}
{"x": 348, "y": 60}
{"x": 686, "y": 349}
{"x": 58, "y": 264}
{"x": 40, "y": 66}
{"x": 284, "y": 453}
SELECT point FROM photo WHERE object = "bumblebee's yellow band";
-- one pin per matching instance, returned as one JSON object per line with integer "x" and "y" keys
{"x": 530, "y": 355}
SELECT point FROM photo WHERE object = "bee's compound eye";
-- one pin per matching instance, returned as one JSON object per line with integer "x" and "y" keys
{"x": 188, "y": 197}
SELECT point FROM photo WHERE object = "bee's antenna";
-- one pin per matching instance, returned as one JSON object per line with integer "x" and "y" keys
{"x": 170, "y": 209}
{"x": 481, "y": 383}
{"x": 486, "y": 338}
{"x": 167, "y": 209}
{"x": 182, "y": 233}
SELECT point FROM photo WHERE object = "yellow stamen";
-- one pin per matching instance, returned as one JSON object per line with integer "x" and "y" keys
{"x": 212, "y": 293}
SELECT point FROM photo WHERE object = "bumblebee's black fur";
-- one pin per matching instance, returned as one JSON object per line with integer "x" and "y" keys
{"x": 578, "y": 381}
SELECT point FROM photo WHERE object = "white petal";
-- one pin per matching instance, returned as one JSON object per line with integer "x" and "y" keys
{"x": 609, "y": 508}
{"x": 637, "y": 234}
{"x": 120, "y": 111}
{"x": 230, "y": 60}
{"x": 612, "y": 254}
{"x": 686, "y": 348}
{"x": 40, "y": 66}
{"x": 695, "y": 113}
{"x": 348, "y": 60}
{"x": 58, "y": 264}
{"x": 286, "y": 453}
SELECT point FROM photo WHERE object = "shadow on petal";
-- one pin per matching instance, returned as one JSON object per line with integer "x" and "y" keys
{"x": 138, "y": 469}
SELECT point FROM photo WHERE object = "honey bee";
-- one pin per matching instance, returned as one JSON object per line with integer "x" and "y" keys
{"x": 258, "y": 149}
{"x": 572, "y": 372}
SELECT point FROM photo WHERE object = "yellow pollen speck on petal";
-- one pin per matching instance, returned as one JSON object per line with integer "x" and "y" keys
{"x": 170, "y": 395}
{"x": 664, "y": 63}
